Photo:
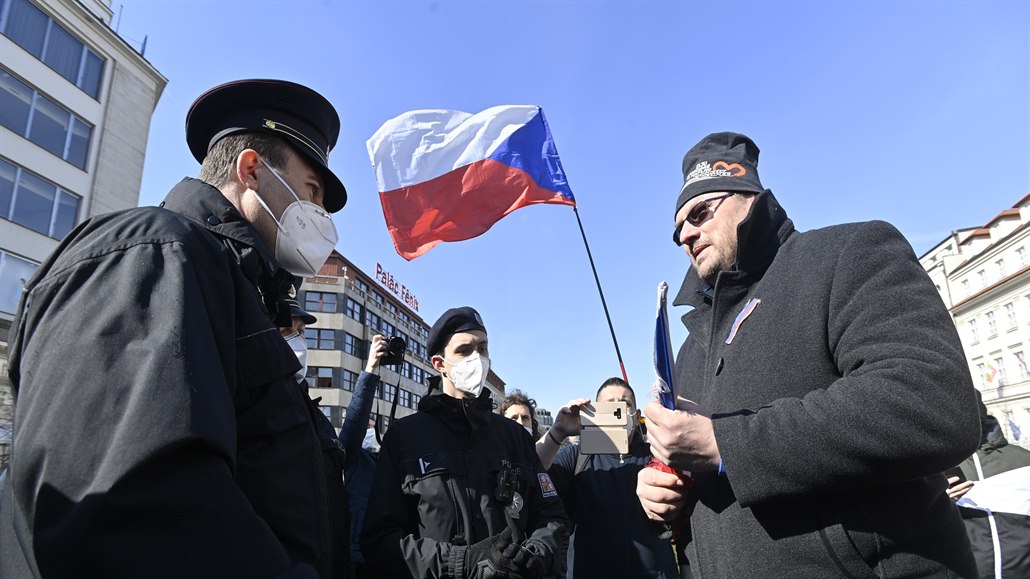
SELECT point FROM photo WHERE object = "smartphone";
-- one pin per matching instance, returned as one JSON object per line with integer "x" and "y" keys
{"x": 604, "y": 428}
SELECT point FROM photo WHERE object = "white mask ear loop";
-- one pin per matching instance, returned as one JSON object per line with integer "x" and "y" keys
{"x": 262, "y": 201}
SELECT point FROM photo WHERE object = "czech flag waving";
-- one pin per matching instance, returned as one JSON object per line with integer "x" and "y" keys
{"x": 450, "y": 175}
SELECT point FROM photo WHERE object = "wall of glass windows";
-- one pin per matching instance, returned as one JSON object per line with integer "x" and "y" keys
{"x": 32, "y": 29}
{"x": 14, "y": 273}
{"x": 32, "y": 115}
{"x": 29, "y": 200}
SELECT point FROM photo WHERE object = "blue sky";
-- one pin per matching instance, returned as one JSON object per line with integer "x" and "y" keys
{"x": 917, "y": 113}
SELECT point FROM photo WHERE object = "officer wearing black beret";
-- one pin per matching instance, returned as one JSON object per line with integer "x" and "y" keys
{"x": 459, "y": 491}
{"x": 159, "y": 431}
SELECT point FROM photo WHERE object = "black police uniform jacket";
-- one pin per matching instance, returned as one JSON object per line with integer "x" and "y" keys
{"x": 613, "y": 537}
{"x": 837, "y": 400}
{"x": 435, "y": 489}
{"x": 158, "y": 430}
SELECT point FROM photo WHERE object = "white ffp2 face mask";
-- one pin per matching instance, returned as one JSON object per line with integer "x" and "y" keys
{"x": 299, "y": 345}
{"x": 306, "y": 236}
{"x": 469, "y": 374}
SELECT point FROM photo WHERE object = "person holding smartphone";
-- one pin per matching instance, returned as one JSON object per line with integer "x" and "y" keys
{"x": 613, "y": 537}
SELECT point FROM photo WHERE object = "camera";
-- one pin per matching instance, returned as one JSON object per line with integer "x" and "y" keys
{"x": 395, "y": 348}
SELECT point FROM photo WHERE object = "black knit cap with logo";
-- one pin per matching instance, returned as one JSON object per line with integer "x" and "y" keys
{"x": 453, "y": 321}
{"x": 300, "y": 116}
{"x": 720, "y": 162}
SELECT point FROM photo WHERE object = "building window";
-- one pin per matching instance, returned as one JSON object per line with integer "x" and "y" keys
{"x": 42, "y": 121}
{"x": 981, "y": 373}
{"x": 377, "y": 297}
{"x": 361, "y": 285}
{"x": 415, "y": 399}
{"x": 353, "y": 309}
{"x": 350, "y": 380}
{"x": 965, "y": 288}
{"x": 406, "y": 369}
{"x": 35, "y": 203}
{"x": 320, "y": 339}
{"x": 392, "y": 307}
{"x": 1021, "y": 365}
{"x": 353, "y": 346}
{"x": 388, "y": 329}
{"x": 372, "y": 320}
{"x": 405, "y": 400}
{"x": 48, "y": 41}
{"x": 389, "y": 391}
{"x": 974, "y": 331}
{"x": 1010, "y": 315}
{"x": 992, "y": 325}
{"x": 982, "y": 277}
{"x": 14, "y": 274}
{"x": 416, "y": 374}
{"x": 999, "y": 365}
{"x": 320, "y": 302}
{"x": 1001, "y": 268}
{"x": 320, "y": 377}
{"x": 1021, "y": 252}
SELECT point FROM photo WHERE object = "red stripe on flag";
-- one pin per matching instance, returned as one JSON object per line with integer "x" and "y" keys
{"x": 459, "y": 205}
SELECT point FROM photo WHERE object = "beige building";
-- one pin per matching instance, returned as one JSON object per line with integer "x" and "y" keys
{"x": 75, "y": 108}
{"x": 983, "y": 276}
{"x": 351, "y": 307}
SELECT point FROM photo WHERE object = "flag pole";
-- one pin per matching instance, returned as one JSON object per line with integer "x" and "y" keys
{"x": 601, "y": 293}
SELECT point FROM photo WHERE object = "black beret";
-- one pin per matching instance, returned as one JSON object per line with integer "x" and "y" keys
{"x": 453, "y": 321}
{"x": 295, "y": 113}
{"x": 720, "y": 162}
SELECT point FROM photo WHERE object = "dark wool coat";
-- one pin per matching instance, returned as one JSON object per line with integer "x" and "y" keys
{"x": 159, "y": 431}
{"x": 836, "y": 405}
{"x": 434, "y": 491}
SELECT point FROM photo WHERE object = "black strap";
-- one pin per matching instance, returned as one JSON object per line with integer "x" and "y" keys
{"x": 581, "y": 462}
{"x": 393, "y": 411}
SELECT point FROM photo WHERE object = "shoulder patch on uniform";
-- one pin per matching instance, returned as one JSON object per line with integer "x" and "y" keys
{"x": 546, "y": 486}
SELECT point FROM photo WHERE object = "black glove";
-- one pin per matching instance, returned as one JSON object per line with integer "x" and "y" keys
{"x": 490, "y": 558}
{"x": 532, "y": 560}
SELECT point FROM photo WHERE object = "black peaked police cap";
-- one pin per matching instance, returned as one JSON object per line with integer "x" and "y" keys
{"x": 453, "y": 321}
{"x": 300, "y": 116}
{"x": 720, "y": 162}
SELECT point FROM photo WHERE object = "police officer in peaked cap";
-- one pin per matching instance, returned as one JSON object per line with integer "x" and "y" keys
{"x": 159, "y": 430}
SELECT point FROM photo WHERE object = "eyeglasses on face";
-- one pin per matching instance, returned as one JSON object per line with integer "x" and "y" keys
{"x": 700, "y": 213}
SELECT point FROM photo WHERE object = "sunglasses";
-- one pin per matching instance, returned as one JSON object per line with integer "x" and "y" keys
{"x": 701, "y": 212}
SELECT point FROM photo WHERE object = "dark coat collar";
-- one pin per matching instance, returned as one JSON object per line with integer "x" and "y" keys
{"x": 204, "y": 204}
{"x": 461, "y": 415}
{"x": 759, "y": 237}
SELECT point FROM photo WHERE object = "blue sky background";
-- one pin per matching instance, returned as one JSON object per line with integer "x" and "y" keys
{"x": 917, "y": 113}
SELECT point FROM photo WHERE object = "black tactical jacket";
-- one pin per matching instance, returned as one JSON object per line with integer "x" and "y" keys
{"x": 158, "y": 429}
{"x": 435, "y": 484}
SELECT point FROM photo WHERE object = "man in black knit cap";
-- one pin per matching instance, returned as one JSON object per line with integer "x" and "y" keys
{"x": 822, "y": 387}
{"x": 459, "y": 491}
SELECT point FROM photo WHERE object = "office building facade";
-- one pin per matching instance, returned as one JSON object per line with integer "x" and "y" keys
{"x": 75, "y": 107}
{"x": 983, "y": 276}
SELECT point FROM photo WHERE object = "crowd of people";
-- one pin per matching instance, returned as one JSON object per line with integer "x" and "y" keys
{"x": 163, "y": 426}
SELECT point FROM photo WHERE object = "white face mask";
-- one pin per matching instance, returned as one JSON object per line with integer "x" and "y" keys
{"x": 306, "y": 234}
{"x": 300, "y": 347}
{"x": 469, "y": 374}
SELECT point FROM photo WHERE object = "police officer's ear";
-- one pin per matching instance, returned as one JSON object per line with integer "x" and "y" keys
{"x": 248, "y": 164}
{"x": 437, "y": 361}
